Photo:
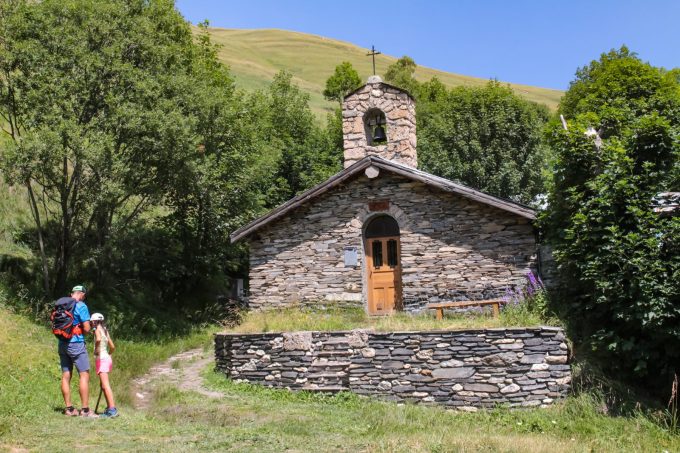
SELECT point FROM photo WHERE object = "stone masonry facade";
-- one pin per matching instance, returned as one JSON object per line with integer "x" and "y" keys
{"x": 452, "y": 248}
{"x": 400, "y": 114}
{"x": 517, "y": 367}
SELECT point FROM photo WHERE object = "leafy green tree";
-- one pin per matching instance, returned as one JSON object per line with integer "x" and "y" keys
{"x": 618, "y": 258}
{"x": 218, "y": 190}
{"x": 304, "y": 153}
{"x": 105, "y": 104}
{"x": 344, "y": 80}
{"x": 402, "y": 74}
{"x": 488, "y": 138}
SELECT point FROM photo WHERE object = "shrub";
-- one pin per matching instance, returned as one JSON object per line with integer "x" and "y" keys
{"x": 618, "y": 259}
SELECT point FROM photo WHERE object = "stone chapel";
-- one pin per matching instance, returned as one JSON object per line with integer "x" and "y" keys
{"x": 382, "y": 234}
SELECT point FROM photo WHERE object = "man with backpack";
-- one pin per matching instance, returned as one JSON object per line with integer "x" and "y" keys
{"x": 70, "y": 323}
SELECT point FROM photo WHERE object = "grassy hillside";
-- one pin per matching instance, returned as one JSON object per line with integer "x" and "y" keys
{"x": 256, "y": 55}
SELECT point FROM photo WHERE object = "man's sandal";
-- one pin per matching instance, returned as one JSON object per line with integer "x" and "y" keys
{"x": 88, "y": 414}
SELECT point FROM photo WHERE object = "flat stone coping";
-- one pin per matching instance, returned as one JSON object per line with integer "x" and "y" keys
{"x": 403, "y": 332}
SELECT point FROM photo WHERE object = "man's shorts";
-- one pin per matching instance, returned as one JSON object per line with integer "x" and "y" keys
{"x": 103, "y": 365}
{"x": 73, "y": 353}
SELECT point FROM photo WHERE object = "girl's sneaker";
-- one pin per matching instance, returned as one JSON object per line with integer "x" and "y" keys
{"x": 71, "y": 412}
{"x": 110, "y": 412}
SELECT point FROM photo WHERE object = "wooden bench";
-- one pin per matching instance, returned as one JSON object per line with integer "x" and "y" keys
{"x": 440, "y": 306}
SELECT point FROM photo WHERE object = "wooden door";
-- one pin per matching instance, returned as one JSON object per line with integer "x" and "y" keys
{"x": 383, "y": 259}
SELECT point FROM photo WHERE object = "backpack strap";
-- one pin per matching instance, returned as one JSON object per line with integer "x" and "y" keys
{"x": 71, "y": 308}
{"x": 77, "y": 328}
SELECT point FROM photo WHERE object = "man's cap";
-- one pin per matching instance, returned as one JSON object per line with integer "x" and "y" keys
{"x": 97, "y": 317}
{"x": 80, "y": 288}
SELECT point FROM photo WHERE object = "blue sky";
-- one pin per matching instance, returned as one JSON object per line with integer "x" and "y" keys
{"x": 538, "y": 43}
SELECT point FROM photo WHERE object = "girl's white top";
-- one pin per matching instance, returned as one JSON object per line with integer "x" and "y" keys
{"x": 102, "y": 351}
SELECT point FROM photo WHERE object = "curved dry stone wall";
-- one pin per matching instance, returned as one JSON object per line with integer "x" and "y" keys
{"x": 460, "y": 369}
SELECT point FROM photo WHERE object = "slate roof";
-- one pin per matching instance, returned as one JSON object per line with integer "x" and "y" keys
{"x": 392, "y": 167}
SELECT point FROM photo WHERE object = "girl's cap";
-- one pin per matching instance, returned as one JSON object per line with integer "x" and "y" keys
{"x": 97, "y": 317}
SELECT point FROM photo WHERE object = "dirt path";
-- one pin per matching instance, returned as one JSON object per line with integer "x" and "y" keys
{"x": 183, "y": 370}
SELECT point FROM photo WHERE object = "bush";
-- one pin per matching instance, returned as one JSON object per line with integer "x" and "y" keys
{"x": 618, "y": 259}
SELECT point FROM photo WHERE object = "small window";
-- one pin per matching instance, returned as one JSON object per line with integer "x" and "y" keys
{"x": 377, "y": 254}
{"x": 392, "y": 260}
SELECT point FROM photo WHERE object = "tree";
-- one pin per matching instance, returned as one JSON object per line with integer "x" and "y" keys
{"x": 99, "y": 100}
{"x": 218, "y": 190}
{"x": 344, "y": 80}
{"x": 488, "y": 138}
{"x": 304, "y": 153}
{"x": 619, "y": 260}
{"x": 401, "y": 74}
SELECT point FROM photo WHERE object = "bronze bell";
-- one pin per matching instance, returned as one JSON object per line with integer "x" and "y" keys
{"x": 379, "y": 134}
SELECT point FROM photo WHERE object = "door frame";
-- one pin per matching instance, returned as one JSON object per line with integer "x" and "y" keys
{"x": 398, "y": 294}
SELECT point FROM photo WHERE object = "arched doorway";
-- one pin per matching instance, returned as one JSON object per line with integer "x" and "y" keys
{"x": 383, "y": 265}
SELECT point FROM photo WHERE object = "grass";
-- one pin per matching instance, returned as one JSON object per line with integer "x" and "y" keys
{"x": 254, "y": 56}
{"x": 290, "y": 319}
{"x": 252, "y": 418}
{"x": 30, "y": 374}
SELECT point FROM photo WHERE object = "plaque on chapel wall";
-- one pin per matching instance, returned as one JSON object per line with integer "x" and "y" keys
{"x": 351, "y": 257}
{"x": 378, "y": 205}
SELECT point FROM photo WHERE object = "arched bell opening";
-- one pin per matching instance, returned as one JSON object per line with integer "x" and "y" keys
{"x": 375, "y": 127}
{"x": 383, "y": 265}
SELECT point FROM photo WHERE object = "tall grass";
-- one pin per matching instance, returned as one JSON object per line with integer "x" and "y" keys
{"x": 329, "y": 318}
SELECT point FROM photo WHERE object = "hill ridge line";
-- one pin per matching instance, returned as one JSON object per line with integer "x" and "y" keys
{"x": 365, "y": 49}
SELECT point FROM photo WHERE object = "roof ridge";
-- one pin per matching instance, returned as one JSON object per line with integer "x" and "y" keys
{"x": 400, "y": 169}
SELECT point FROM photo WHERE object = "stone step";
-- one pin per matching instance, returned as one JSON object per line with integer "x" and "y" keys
{"x": 339, "y": 374}
{"x": 328, "y": 384}
{"x": 339, "y": 353}
{"x": 330, "y": 364}
{"x": 325, "y": 388}
{"x": 336, "y": 341}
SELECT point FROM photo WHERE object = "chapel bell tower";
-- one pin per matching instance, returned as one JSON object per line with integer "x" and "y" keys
{"x": 379, "y": 120}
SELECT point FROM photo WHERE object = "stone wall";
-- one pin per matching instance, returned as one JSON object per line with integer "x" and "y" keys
{"x": 452, "y": 248}
{"x": 400, "y": 114}
{"x": 460, "y": 369}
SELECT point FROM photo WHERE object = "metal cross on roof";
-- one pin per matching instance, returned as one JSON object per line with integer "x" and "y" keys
{"x": 372, "y": 54}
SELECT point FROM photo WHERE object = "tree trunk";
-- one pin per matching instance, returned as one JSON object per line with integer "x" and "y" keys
{"x": 41, "y": 242}
{"x": 64, "y": 244}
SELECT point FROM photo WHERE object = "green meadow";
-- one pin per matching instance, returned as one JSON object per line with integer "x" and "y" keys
{"x": 252, "y": 418}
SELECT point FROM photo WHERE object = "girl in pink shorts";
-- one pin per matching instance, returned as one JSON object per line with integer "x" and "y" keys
{"x": 103, "y": 348}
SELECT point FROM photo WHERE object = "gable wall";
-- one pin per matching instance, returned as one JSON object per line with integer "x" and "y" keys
{"x": 451, "y": 248}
